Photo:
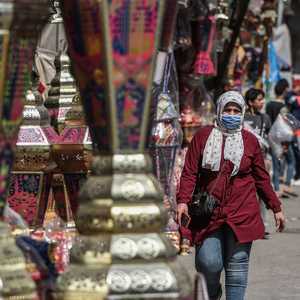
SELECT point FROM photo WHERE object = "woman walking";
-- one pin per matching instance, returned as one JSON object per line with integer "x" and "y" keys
{"x": 225, "y": 165}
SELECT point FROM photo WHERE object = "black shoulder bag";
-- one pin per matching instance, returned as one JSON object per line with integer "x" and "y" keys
{"x": 203, "y": 202}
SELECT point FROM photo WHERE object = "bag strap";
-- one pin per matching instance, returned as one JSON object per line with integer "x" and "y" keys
{"x": 262, "y": 124}
{"x": 216, "y": 180}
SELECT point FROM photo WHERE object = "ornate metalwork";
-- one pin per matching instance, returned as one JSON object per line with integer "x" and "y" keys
{"x": 33, "y": 146}
{"x": 33, "y": 160}
{"x": 70, "y": 110}
{"x": 18, "y": 36}
{"x": 20, "y": 23}
{"x": 72, "y": 147}
{"x": 52, "y": 100}
{"x": 72, "y": 143}
{"x": 71, "y": 122}
{"x": 121, "y": 254}
{"x": 121, "y": 248}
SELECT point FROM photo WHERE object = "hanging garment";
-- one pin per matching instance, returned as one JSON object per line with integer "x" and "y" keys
{"x": 51, "y": 42}
{"x": 282, "y": 46}
{"x": 204, "y": 34}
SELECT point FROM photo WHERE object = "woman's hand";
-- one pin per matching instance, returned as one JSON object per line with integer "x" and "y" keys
{"x": 182, "y": 208}
{"x": 280, "y": 221}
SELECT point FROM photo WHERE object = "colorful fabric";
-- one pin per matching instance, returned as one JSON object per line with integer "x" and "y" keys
{"x": 274, "y": 74}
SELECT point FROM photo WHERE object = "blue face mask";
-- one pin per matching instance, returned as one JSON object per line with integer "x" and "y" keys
{"x": 231, "y": 122}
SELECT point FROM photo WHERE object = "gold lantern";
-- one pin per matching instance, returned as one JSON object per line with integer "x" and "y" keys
{"x": 122, "y": 252}
{"x": 20, "y": 22}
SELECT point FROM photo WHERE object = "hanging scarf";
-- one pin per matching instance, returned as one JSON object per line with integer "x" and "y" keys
{"x": 234, "y": 145}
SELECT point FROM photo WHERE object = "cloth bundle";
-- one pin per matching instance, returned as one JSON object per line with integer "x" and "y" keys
{"x": 282, "y": 131}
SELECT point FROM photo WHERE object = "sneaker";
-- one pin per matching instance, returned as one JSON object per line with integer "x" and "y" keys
{"x": 284, "y": 196}
{"x": 289, "y": 191}
{"x": 267, "y": 236}
{"x": 296, "y": 182}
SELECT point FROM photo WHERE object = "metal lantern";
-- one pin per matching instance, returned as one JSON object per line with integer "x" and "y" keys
{"x": 72, "y": 149}
{"x": 121, "y": 252}
{"x": 18, "y": 37}
{"x": 71, "y": 143}
{"x": 20, "y": 23}
{"x": 70, "y": 111}
{"x": 33, "y": 167}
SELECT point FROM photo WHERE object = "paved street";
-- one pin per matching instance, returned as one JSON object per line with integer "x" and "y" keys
{"x": 275, "y": 263}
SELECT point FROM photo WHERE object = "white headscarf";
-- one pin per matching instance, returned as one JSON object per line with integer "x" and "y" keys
{"x": 234, "y": 145}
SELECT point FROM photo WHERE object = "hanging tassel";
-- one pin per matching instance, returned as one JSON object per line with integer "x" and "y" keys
{"x": 206, "y": 30}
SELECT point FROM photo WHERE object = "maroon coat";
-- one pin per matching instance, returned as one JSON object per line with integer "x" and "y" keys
{"x": 239, "y": 206}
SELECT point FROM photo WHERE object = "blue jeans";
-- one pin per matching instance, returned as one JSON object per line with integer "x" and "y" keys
{"x": 291, "y": 163}
{"x": 221, "y": 250}
{"x": 276, "y": 172}
{"x": 296, "y": 149}
{"x": 279, "y": 167}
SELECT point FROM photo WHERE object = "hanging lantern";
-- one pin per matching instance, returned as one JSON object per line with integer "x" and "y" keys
{"x": 32, "y": 171}
{"x": 72, "y": 149}
{"x": 20, "y": 23}
{"x": 121, "y": 252}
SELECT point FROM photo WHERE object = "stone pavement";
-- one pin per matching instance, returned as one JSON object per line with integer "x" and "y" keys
{"x": 275, "y": 263}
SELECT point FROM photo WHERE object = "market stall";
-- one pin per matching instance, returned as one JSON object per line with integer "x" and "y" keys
{"x": 114, "y": 95}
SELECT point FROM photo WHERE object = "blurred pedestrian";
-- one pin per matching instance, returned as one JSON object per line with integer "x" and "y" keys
{"x": 255, "y": 118}
{"x": 287, "y": 162}
{"x": 260, "y": 125}
{"x": 274, "y": 107}
{"x": 222, "y": 175}
{"x": 293, "y": 102}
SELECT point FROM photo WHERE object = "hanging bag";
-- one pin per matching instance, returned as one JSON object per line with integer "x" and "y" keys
{"x": 204, "y": 202}
{"x": 202, "y": 205}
